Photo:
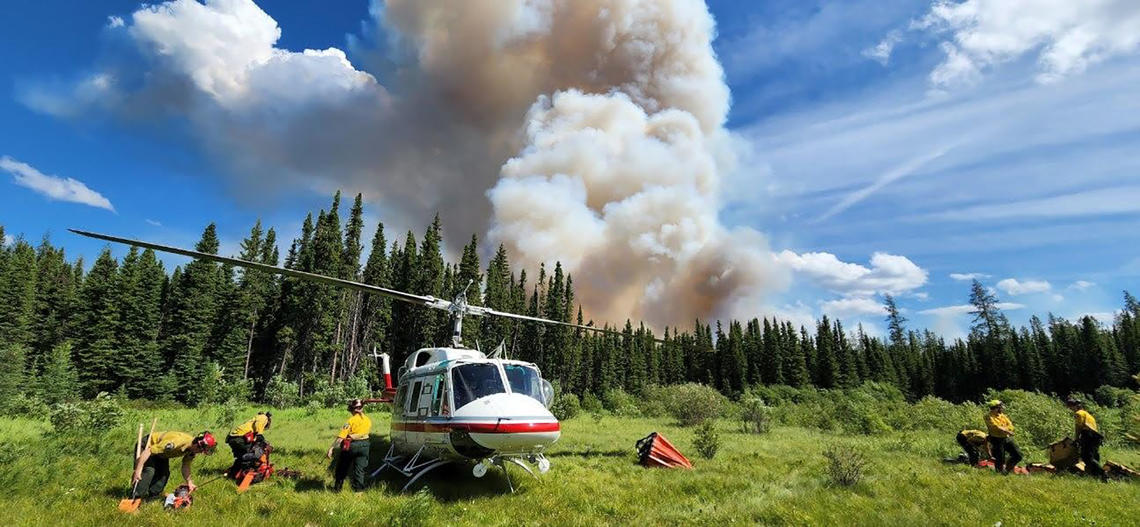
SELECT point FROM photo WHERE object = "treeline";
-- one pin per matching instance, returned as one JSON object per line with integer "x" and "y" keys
{"x": 130, "y": 325}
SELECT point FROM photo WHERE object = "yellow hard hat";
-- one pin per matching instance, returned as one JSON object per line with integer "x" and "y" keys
{"x": 995, "y": 403}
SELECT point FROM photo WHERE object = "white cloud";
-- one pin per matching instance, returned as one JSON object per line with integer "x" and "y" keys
{"x": 1016, "y": 287}
{"x": 1058, "y": 298}
{"x": 881, "y": 52}
{"x": 964, "y": 309}
{"x": 906, "y": 168}
{"x": 1067, "y": 36}
{"x": 69, "y": 100}
{"x": 153, "y": 222}
{"x": 888, "y": 273}
{"x": 56, "y": 188}
{"x": 1113, "y": 200}
{"x": 851, "y": 307}
{"x": 966, "y": 277}
{"x": 115, "y": 21}
{"x": 1081, "y": 285}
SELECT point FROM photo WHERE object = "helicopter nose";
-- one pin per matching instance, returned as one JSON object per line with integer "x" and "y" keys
{"x": 508, "y": 423}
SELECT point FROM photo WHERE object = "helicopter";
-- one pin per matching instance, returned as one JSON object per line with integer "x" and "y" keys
{"x": 451, "y": 404}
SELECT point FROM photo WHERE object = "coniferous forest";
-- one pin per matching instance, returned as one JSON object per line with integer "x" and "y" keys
{"x": 135, "y": 327}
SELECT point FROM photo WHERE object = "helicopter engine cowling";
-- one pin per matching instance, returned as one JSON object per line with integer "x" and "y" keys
{"x": 508, "y": 423}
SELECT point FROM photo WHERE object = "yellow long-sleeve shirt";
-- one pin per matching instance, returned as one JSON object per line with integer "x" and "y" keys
{"x": 998, "y": 425}
{"x": 974, "y": 437}
{"x": 168, "y": 445}
{"x": 357, "y": 428}
{"x": 1084, "y": 421}
{"x": 256, "y": 425}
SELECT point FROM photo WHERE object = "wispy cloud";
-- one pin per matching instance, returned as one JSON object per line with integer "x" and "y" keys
{"x": 891, "y": 176}
{"x": 850, "y": 307}
{"x": 966, "y": 277}
{"x": 53, "y": 187}
{"x": 1117, "y": 200}
{"x": 1015, "y": 287}
{"x": 881, "y": 52}
{"x": 965, "y": 309}
{"x": 1081, "y": 285}
{"x": 153, "y": 222}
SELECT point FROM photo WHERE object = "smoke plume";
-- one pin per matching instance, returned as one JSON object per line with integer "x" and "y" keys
{"x": 589, "y": 132}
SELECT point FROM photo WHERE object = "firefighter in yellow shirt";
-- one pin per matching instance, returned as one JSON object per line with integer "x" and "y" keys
{"x": 244, "y": 436}
{"x": 152, "y": 468}
{"x": 1001, "y": 438}
{"x": 352, "y": 442}
{"x": 1088, "y": 437}
{"x": 973, "y": 442}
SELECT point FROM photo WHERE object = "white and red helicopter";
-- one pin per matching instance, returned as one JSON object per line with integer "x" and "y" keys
{"x": 451, "y": 404}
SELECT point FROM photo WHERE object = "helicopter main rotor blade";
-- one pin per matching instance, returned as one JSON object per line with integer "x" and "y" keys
{"x": 486, "y": 311}
{"x": 428, "y": 301}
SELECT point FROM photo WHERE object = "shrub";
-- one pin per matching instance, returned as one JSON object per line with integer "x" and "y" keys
{"x": 691, "y": 404}
{"x": 24, "y": 405}
{"x": 655, "y": 400}
{"x": 88, "y": 418}
{"x": 845, "y": 465}
{"x": 619, "y": 402}
{"x": 1112, "y": 397}
{"x": 356, "y": 387}
{"x": 591, "y": 403}
{"x": 565, "y": 406}
{"x": 59, "y": 382}
{"x": 707, "y": 441}
{"x": 1130, "y": 419}
{"x": 1038, "y": 419}
{"x": 755, "y": 416}
{"x": 235, "y": 390}
{"x": 228, "y": 414}
{"x": 281, "y": 393}
{"x": 326, "y": 394}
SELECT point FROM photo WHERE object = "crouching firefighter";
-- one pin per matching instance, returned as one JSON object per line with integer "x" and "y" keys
{"x": 152, "y": 469}
{"x": 242, "y": 439}
{"x": 352, "y": 443}
{"x": 975, "y": 443}
{"x": 1089, "y": 438}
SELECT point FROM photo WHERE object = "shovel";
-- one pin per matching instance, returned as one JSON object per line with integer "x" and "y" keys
{"x": 132, "y": 504}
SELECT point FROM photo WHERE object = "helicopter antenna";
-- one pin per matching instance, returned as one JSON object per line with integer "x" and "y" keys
{"x": 457, "y": 307}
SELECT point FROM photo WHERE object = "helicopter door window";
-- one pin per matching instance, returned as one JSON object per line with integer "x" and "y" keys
{"x": 414, "y": 399}
{"x": 425, "y": 400}
{"x": 524, "y": 380}
{"x": 438, "y": 399}
{"x": 475, "y": 381}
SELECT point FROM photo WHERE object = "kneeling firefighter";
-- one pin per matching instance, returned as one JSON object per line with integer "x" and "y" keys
{"x": 352, "y": 442}
{"x": 152, "y": 469}
{"x": 242, "y": 439}
{"x": 974, "y": 443}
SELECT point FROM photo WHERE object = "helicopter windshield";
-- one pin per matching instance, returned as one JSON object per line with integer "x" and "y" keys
{"x": 475, "y": 381}
{"x": 524, "y": 380}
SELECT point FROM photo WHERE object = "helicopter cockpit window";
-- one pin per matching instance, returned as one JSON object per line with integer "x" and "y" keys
{"x": 475, "y": 381}
{"x": 525, "y": 380}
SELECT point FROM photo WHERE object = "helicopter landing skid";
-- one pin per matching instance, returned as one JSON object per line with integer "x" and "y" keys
{"x": 413, "y": 468}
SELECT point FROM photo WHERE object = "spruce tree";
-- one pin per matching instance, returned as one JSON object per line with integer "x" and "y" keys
{"x": 375, "y": 309}
{"x": 54, "y": 305}
{"x": 18, "y": 294}
{"x": 97, "y": 339}
{"x": 58, "y": 381}
{"x": 193, "y": 305}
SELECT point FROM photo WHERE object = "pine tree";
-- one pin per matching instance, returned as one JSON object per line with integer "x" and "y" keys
{"x": 54, "y": 305}
{"x": 139, "y": 297}
{"x": 428, "y": 280}
{"x": 795, "y": 362}
{"x": 497, "y": 295}
{"x": 18, "y": 294}
{"x": 468, "y": 278}
{"x": 375, "y": 309}
{"x": 827, "y": 365}
{"x": 193, "y": 305}
{"x": 97, "y": 341}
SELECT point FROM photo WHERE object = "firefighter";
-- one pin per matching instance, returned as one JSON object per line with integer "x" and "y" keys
{"x": 973, "y": 442}
{"x": 352, "y": 442}
{"x": 1088, "y": 438}
{"x": 241, "y": 438}
{"x": 152, "y": 469}
{"x": 1001, "y": 438}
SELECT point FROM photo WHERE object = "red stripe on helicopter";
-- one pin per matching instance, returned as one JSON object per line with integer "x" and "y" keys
{"x": 479, "y": 428}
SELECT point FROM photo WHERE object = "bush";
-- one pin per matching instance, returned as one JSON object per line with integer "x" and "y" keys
{"x": 59, "y": 382}
{"x": 618, "y": 402}
{"x": 755, "y": 416}
{"x": 1112, "y": 397}
{"x": 228, "y": 414}
{"x": 692, "y": 404}
{"x": 565, "y": 406}
{"x": 326, "y": 394}
{"x": 280, "y": 393}
{"x": 235, "y": 390}
{"x": 1038, "y": 419}
{"x": 591, "y": 404}
{"x": 356, "y": 387}
{"x": 845, "y": 465}
{"x": 1130, "y": 419}
{"x": 88, "y": 418}
{"x": 707, "y": 441}
{"x": 24, "y": 405}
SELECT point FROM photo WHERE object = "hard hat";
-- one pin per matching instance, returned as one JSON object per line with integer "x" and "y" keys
{"x": 1073, "y": 401}
{"x": 206, "y": 441}
{"x": 995, "y": 403}
{"x": 355, "y": 403}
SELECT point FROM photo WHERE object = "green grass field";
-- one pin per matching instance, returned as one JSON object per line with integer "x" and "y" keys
{"x": 773, "y": 479}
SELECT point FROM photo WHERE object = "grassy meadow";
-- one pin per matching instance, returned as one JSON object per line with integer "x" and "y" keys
{"x": 775, "y": 478}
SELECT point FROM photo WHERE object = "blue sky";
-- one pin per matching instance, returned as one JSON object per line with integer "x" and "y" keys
{"x": 986, "y": 138}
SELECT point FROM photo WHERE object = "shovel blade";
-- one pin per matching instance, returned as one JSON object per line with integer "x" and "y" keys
{"x": 245, "y": 483}
{"x": 129, "y": 505}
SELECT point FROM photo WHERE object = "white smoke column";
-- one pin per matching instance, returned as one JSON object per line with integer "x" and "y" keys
{"x": 622, "y": 185}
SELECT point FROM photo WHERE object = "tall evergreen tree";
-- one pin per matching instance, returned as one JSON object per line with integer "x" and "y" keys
{"x": 193, "y": 304}
{"x": 96, "y": 339}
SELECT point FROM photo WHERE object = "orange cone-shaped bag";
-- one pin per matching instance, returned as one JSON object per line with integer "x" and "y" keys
{"x": 654, "y": 450}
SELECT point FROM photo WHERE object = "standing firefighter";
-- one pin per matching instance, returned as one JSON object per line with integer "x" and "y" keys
{"x": 1088, "y": 438}
{"x": 974, "y": 442}
{"x": 152, "y": 469}
{"x": 244, "y": 436}
{"x": 1001, "y": 438}
{"x": 352, "y": 442}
